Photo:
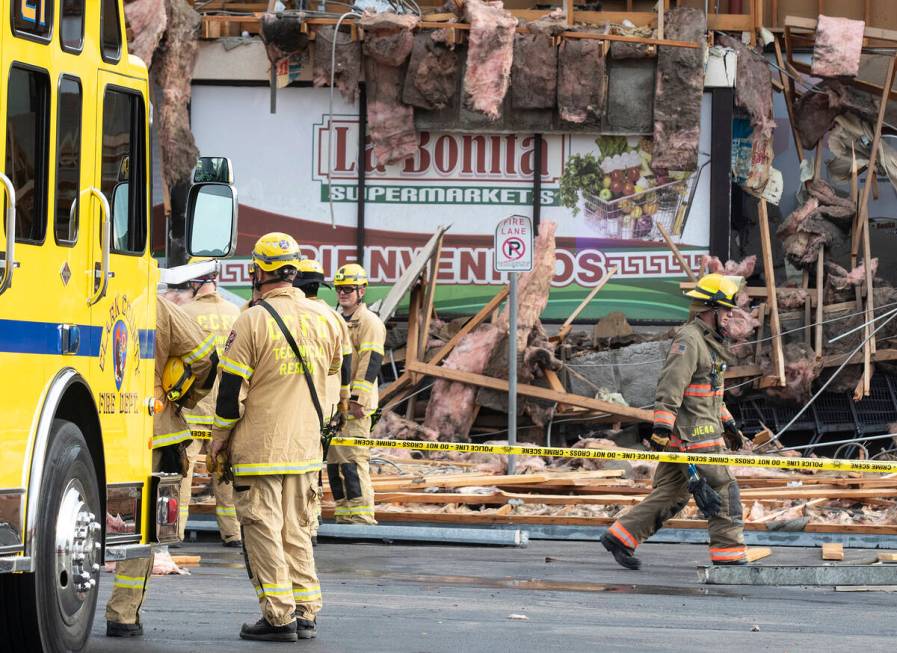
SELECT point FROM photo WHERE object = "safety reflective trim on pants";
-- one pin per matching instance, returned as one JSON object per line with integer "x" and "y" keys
{"x": 232, "y": 366}
{"x": 619, "y": 531}
{"x": 223, "y": 511}
{"x": 732, "y": 553}
{"x": 344, "y": 511}
{"x": 225, "y": 422}
{"x": 129, "y": 582}
{"x": 165, "y": 439}
{"x": 307, "y": 594}
{"x": 202, "y": 350}
{"x": 267, "y": 589}
{"x": 262, "y": 469}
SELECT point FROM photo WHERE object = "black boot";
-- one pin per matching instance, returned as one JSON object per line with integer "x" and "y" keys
{"x": 622, "y": 554}
{"x": 263, "y": 631}
{"x": 740, "y": 561}
{"x": 306, "y": 629}
{"x": 233, "y": 544}
{"x": 115, "y": 629}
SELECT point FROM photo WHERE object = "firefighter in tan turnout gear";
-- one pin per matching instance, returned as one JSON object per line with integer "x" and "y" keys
{"x": 186, "y": 363}
{"x": 268, "y": 424}
{"x": 216, "y": 315}
{"x": 690, "y": 416}
{"x": 336, "y": 404}
{"x": 348, "y": 468}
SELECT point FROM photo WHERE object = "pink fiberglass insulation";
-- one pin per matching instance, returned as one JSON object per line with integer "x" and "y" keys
{"x": 392, "y": 426}
{"x": 805, "y": 232}
{"x": 791, "y": 298}
{"x": 678, "y": 92}
{"x": 582, "y": 81}
{"x": 175, "y": 58}
{"x": 533, "y": 287}
{"x": 801, "y": 369}
{"x": 431, "y": 79}
{"x": 490, "y": 53}
{"x": 743, "y": 268}
{"x": 146, "y": 21}
{"x": 348, "y": 62}
{"x": 388, "y": 38}
{"x": 839, "y": 43}
{"x": 841, "y": 279}
{"x": 390, "y": 122}
{"x": 450, "y": 411}
{"x": 741, "y": 325}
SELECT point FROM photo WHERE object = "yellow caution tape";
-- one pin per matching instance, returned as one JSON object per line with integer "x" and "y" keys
{"x": 775, "y": 462}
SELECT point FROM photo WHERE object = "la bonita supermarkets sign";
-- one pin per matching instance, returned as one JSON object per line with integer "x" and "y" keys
{"x": 514, "y": 244}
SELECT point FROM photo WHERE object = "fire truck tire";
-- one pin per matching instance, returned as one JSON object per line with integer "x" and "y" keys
{"x": 53, "y": 608}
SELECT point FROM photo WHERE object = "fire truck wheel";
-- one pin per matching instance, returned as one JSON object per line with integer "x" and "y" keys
{"x": 59, "y": 599}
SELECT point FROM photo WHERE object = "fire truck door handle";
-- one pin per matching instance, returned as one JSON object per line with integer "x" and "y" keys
{"x": 9, "y": 261}
{"x": 103, "y": 273}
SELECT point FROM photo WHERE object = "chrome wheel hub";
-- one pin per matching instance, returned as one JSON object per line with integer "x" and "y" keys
{"x": 78, "y": 543}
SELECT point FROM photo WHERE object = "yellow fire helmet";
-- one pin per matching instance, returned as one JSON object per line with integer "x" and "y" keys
{"x": 276, "y": 250}
{"x": 177, "y": 378}
{"x": 716, "y": 290}
{"x": 210, "y": 276}
{"x": 310, "y": 271}
{"x": 351, "y": 274}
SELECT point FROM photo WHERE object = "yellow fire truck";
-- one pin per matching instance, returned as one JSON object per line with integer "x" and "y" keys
{"x": 77, "y": 315}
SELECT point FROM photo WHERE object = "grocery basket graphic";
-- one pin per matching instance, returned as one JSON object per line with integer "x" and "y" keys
{"x": 636, "y": 216}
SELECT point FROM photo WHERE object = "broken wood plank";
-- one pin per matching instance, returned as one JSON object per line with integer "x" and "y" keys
{"x": 186, "y": 561}
{"x": 634, "y": 414}
{"x": 820, "y": 309}
{"x": 411, "y": 348}
{"x": 568, "y": 323}
{"x": 769, "y": 273}
{"x": 686, "y": 268}
{"x": 832, "y": 551}
{"x": 755, "y": 553}
{"x": 429, "y": 299}
{"x": 887, "y": 557}
{"x": 469, "y": 326}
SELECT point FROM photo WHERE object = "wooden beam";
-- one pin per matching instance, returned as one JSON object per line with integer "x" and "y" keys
{"x": 631, "y": 414}
{"x": 755, "y": 553}
{"x": 769, "y": 272}
{"x": 429, "y": 300}
{"x": 820, "y": 308}
{"x": 413, "y": 337}
{"x": 568, "y": 323}
{"x": 686, "y": 268}
{"x": 808, "y": 309}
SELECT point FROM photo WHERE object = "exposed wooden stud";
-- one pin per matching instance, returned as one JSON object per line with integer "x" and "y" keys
{"x": 820, "y": 308}
{"x": 411, "y": 342}
{"x": 761, "y": 317}
{"x": 429, "y": 300}
{"x": 568, "y": 323}
{"x": 677, "y": 254}
{"x": 808, "y": 310}
{"x": 660, "y": 18}
{"x": 631, "y": 414}
{"x": 769, "y": 272}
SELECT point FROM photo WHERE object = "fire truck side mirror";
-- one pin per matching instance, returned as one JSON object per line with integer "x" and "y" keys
{"x": 213, "y": 168}
{"x": 212, "y": 220}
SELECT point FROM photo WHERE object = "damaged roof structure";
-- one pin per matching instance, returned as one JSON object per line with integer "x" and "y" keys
{"x": 812, "y": 336}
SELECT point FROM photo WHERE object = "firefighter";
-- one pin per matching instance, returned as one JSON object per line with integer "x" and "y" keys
{"x": 348, "y": 468}
{"x": 185, "y": 364}
{"x": 309, "y": 280}
{"x": 268, "y": 428}
{"x": 690, "y": 416}
{"x": 216, "y": 315}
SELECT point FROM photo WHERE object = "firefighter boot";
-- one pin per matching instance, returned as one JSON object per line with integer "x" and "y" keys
{"x": 115, "y": 629}
{"x": 621, "y": 553}
{"x": 263, "y": 631}
{"x": 306, "y": 629}
{"x": 740, "y": 561}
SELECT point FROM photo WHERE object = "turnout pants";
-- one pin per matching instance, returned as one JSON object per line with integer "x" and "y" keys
{"x": 130, "y": 582}
{"x": 669, "y": 497}
{"x": 349, "y": 473}
{"x": 275, "y": 514}
{"x": 225, "y": 512}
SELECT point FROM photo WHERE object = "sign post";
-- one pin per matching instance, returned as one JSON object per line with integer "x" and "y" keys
{"x": 513, "y": 254}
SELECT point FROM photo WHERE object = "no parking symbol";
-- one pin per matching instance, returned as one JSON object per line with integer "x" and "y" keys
{"x": 514, "y": 244}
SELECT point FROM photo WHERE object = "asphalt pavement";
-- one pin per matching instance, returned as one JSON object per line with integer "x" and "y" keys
{"x": 550, "y": 596}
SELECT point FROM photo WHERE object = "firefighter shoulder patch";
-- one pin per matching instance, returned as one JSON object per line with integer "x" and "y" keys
{"x": 230, "y": 340}
{"x": 679, "y": 348}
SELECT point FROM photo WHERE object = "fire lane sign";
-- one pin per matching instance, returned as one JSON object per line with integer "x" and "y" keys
{"x": 514, "y": 244}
